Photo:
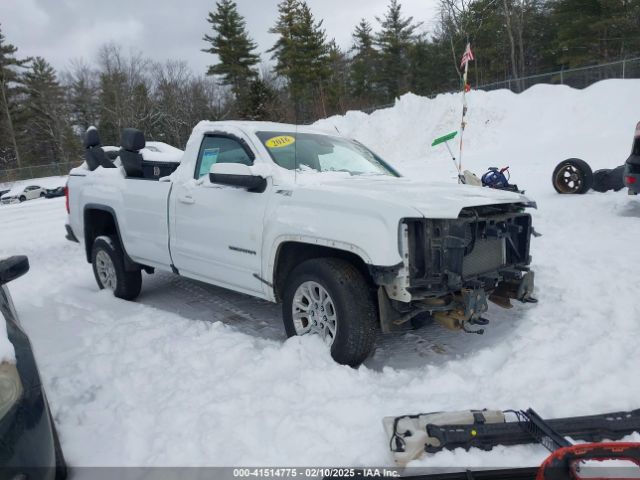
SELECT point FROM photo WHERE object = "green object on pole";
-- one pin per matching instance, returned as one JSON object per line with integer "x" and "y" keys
{"x": 444, "y": 138}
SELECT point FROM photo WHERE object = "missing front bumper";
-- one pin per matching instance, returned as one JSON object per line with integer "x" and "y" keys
{"x": 457, "y": 311}
{"x": 515, "y": 289}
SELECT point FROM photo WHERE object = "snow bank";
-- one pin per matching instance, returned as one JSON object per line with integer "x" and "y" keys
{"x": 195, "y": 375}
{"x": 530, "y": 132}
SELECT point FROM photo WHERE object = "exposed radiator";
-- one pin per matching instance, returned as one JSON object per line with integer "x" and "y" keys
{"x": 487, "y": 255}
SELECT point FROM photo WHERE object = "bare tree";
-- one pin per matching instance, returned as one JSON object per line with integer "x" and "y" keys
{"x": 181, "y": 100}
{"x": 462, "y": 20}
{"x": 170, "y": 82}
{"x": 508, "y": 12}
{"x": 81, "y": 82}
{"x": 125, "y": 91}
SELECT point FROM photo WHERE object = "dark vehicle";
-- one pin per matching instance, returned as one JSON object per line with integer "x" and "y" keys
{"x": 54, "y": 192}
{"x": 632, "y": 167}
{"x": 29, "y": 445}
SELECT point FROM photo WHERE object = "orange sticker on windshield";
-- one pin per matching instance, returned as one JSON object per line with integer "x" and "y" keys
{"x": 279, "y": 142}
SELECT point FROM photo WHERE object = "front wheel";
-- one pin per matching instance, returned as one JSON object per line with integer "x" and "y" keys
{"x": 22, "y": 198}
{"x": 329, "y": 297}
{"x": 107, "y": 258}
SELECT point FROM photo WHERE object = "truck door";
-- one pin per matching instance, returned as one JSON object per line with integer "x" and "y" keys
{"x": 216, "y": 232}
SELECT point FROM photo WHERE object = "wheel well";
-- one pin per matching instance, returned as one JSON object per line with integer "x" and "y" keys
{"x": 292, "y": 254}
{"x": 97, "y": 222}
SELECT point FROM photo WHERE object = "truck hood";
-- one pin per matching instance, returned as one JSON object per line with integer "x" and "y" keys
{"x": 430, "y": 199}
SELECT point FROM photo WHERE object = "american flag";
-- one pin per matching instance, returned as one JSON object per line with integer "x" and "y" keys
{"x": 467, "y": 57}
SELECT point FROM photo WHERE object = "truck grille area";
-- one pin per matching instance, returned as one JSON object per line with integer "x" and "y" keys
{"x": 480, "y": 245}
{"x": 486, "y": 255}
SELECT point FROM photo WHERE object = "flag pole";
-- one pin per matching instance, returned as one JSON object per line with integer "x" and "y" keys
{"x": 466, "y": 58}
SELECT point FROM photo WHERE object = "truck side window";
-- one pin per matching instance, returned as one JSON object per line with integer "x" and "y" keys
{"x": 217, "y": 149}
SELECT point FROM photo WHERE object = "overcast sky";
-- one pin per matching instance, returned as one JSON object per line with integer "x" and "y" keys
{"x": 60, "y": 30}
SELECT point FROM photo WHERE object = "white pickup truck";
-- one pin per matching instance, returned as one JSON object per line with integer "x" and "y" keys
{"x": 313, "y": 220}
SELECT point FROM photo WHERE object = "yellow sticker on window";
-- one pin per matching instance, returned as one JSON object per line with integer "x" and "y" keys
{"x": 279, "y": 142}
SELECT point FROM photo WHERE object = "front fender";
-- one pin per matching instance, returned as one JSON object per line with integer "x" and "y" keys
{"x": 369, "y": 233}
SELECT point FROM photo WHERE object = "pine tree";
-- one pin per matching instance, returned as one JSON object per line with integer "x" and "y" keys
{"x": 314, "y": 60}
{"x": 10, "y": 86}
{"x": 233, "y": 46}
{"x": 302, "y": 57}
{"x": 285, "y": 50}
{"x": 596, "y": 30}
{"x": 260, "y": 102}
{"x": 47, "y": 135}
{"x": 363, "y": 63}
{"x": 394, "y": 41}
{"x": 430, "y": 69}
{"x": 337, "y": 90}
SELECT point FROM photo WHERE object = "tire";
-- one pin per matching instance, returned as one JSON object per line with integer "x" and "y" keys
{"x": 572, "y": 176}
{"x": 107, "y": 258}
{"x": 22, "y": 198}
{"x": 41, "y": 194}
{"x": 615, "y": 181}
{"x": 350, "y": 299}
{"x": 601, "y": 180}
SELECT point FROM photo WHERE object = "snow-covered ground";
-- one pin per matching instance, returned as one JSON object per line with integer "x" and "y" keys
{"x": 194, "y": 375}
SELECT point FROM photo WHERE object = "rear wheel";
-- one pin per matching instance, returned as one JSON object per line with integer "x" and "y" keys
{"x": 329, "y": 297}
{"x": 22, "y": 198}
{"x": 572, "y": 176}
{"x": 108, "y": 267}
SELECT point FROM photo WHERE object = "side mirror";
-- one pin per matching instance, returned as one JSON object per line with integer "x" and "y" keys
{"x": 12, "y": 268}
{"x": 237, "y": 175}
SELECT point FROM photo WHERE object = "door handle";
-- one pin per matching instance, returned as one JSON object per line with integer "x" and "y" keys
{"x": 188, "y": 199}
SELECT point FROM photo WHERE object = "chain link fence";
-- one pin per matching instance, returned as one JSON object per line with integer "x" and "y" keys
{"x": 36, "y": 171}
{"x": 580, "y": 77}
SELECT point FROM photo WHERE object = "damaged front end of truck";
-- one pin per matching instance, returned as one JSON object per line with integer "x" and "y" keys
{"x": 452, "y": 268}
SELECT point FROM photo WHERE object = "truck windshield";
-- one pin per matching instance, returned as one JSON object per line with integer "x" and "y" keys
{"x": 322, "y": 153}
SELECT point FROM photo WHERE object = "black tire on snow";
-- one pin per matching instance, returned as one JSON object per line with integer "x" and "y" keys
{"x": 128, "y": 283}
{"x": 356, "y": 311}
{"x": 601, "y": 180}
{"x": 572, "y": 176}
{"x": 22, "y": 198}
{"x": 615, "y": 181}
